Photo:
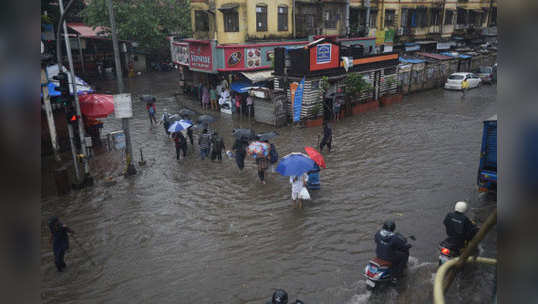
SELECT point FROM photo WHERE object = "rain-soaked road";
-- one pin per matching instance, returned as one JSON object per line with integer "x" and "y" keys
{"x": 194, "y": 231}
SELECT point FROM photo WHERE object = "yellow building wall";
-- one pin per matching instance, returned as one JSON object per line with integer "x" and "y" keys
{"x": 195, "y": 6}
{"x": 231, "y": 37}
{"x": 272, "y": 19}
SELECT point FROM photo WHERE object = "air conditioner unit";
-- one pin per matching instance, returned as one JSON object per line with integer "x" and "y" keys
{"x": 400, "y": 31}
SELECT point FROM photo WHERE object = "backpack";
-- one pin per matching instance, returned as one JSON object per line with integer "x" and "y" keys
{"x": 273, "y": 155}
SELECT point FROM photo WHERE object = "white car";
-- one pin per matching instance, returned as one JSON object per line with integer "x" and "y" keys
{"x": 455, "y": 80}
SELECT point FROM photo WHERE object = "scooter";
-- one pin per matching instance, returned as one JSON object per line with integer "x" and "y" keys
{"x": 379, "y": 272}
{"x": 447, "y": 251}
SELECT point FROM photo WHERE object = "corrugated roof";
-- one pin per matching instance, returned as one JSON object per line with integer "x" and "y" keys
{"x": 87, "y": 31}
{"x": 434, "y": 56}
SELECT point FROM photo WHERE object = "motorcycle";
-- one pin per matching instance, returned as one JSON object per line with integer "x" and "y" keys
{"x": 447, "y": 251}
{"x": 379, "y": 272}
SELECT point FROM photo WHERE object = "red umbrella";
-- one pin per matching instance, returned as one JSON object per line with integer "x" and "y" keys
{"x": 315, "y": 156}
{"x": 96, "y": 105}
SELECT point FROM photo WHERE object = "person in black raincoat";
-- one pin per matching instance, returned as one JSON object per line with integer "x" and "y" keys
{"x": 218, "y": 145}
{"x": 181, "y": 144}
{"x": 240, "y": 153}
{"x": 327, "y": 137}
{"x": 60, "y": 241}
{"x": 189, "y": 134}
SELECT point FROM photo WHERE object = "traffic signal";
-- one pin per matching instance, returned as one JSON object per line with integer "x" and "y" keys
{"x": 64, "y": 83}
{"x": 71, "y": 115}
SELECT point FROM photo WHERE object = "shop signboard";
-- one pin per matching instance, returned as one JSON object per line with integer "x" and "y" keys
{"x": 234, "y": 58}
{"x": 444, "y": 45}
{"x": 123, "y": 106}
{"x": 200, "y": 56}
{"x": 180, "y": 54}
{"x": 323, "y": 53}
{"x": 324, "y": 56}
{"x": 254, "y": 57}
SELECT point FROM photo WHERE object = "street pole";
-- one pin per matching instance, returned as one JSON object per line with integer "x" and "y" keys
{"x": 367, "y": 18}
{"x": 81, "y": 54}
{"x": 130, "y": 170}
{"x": 62, "y": 24}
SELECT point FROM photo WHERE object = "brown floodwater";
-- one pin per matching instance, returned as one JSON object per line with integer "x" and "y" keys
{"x": 194, "y": 231}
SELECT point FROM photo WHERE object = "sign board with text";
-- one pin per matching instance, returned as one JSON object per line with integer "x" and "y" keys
{"x": 123, "y": 106}
{"x": 200, "y": 56}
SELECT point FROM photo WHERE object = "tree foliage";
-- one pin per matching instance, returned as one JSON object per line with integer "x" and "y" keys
{"x": 148, "y": 22}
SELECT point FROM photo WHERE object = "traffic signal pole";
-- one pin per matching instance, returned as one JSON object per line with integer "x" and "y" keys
{"x": 130, "y": 170}
{"x": 86, "y": 179}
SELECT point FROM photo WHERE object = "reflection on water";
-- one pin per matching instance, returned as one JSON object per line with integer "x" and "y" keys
{"x": 193, "y": 231}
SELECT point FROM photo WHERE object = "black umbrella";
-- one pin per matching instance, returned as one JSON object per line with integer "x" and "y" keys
{"x": 244, "y": 133}
{"x": 186, "y": 112}
{"x": 148, "y": 98}
{"x": 267, "y": 135}
{"x": 206, "y": 119}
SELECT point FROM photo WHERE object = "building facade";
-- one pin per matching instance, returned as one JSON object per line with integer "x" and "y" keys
{"x": 410, "y": 20}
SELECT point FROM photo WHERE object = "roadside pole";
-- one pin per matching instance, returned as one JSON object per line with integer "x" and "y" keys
{"x": 130, "y": 169}
{"x": 82, "y": 135}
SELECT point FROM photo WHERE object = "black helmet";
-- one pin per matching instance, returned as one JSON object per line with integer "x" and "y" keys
{"x": 389, "y": 225}
{"x": 280, "y": 296}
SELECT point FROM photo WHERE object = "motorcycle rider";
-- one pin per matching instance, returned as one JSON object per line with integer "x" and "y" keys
{"x": 392, "y": 247}
{"x": 280, "y": 296}
{"x": 458, "y": 227}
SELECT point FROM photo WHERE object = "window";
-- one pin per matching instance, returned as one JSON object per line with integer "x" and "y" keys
{"x": 201, "y": 21}
{"x": 493, "y": 16}
{"x": 261, "y": 18}
{"x": 435, "y": 16}
{"x": 282, "y": 18}
{"x": 231, "y": 20}
{"x": 462, "y": 16}
{"x": 421, "y": 20}
{"x": 389, "y": 17}
{"x": 331, "y": 18}
{"x": 449, "y": 17}
{"x": 373, "y": 18}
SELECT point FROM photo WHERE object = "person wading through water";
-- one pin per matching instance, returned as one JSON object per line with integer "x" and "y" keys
{"x": 189, "y": 134}
{"x": 327, "y": 137}
{"x": 181, "y": 144}
{"x": 218, "y": 146}
{"x": 262, "y": 163}
{"x": 239, "y": 148}
{"x": 60, "y": 241}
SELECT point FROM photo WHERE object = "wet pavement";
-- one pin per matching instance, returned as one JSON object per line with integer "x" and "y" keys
{"x": 194, "y": 231}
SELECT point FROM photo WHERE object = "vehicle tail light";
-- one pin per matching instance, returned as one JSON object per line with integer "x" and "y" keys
{"x": 445, "y": 251}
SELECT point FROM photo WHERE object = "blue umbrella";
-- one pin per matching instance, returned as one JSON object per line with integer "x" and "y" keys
{"x": 295, "y": 164}
{"x": 178, "y": 126}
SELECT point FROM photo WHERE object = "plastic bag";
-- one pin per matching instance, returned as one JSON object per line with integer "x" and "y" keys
{"x": 304, "y": 195}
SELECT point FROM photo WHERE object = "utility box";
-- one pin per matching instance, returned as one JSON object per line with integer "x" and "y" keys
{"x": 116, "y": 140}
{"x": 269, "y": 106}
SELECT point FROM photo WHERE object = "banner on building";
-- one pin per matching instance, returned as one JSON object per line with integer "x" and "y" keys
{"x": 180, "y": 53}
{"x": 389, "y": 35}
{"x": 379, "y": 37}
{"x": 298, "y": 101}
{"x": 201, "y": 57}
{"x": 323, "y": 53}
{"x": 234, "y": 58}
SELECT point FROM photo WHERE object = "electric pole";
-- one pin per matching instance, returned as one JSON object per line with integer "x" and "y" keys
{"x": 130, "y": 170}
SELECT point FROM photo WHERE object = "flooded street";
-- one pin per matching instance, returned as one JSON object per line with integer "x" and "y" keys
{"x": 194, "y": 231}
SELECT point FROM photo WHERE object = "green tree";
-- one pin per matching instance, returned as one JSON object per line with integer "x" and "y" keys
{"x": 148, "y": 22}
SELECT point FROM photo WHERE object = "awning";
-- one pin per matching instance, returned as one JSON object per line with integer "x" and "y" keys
{"x": 410, "y": 60}
{"x": 258, "y": 76}
{"x": 85, "y": 31}
{"x": 426, "y": 42}
{"x": 240, "y": 86}
{"x": 479, "y": 11}
{"x": 228, "y": 6}
{"x": 434, "y": 56}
